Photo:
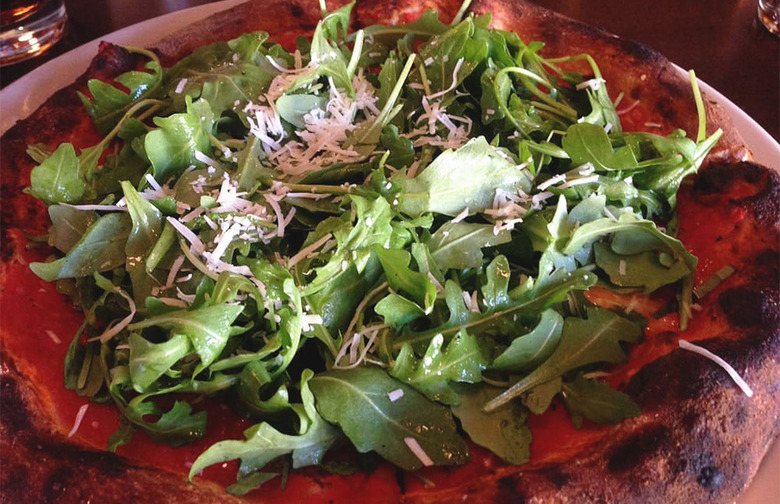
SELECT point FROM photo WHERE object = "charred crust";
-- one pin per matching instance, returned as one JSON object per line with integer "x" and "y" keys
{"x": 57, "y": 484}
{"x": 509, "y": 491}
{"x": 557, "y": 477}
{"x": 755, "y": 187}
{"x": 16, "y": 417}
{"x": 40, "y": 465}
{"x": 766, "y": 204}
{"x": 747, "y": 306}
{"x": 710, "y": 477}
{"x": 719, "y": 178}
{"x": 296, "y": 10}
{"x": 300, "y": 14}
{"x": 633, "y": 451}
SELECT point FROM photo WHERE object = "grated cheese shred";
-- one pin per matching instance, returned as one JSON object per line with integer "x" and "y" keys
{"x": 79, "y": 418}
{"x": 418, "y": 452}
{"x": 742, "y": 384}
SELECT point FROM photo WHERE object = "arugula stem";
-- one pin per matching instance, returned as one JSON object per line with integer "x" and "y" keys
{"x": 362, "y": 306}
{"x": 357, "y": 51}
{"x": 702, "y": 113}
{"x": 459, "y": 15}
{"x": 154, "y": 106}
{"x": 386, "y": 113}
{"x": 424, "y": 78}
{"x": 319, "y": 188}
{"x": 541, "y": 300}
{"x": 528, "y": 78}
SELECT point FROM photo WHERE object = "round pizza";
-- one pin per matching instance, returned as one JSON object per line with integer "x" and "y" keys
{"x": 385, "y": 252}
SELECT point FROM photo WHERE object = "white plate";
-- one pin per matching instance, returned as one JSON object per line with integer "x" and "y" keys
{"x": 23, "y": 96}
{"x": 20, "y": 98}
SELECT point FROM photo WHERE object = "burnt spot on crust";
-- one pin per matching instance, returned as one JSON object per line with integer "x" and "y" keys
{"x": 745, "y": 183}
{"x": 719, "y": 178}
{"x": 766, "y": 204}
{"x": 110, "y": 61}
{"x": 509, "y": 491}
{"x": 15, "y": 478}
{"x": 710, "y": 477}
{"x": 637, "y": 448}
{"x": 16, "y": 417}
{"x": 110, "y": 463}
{"x": 757, "y": 302}
{"x": 703, "y": 468}
{"x": 57, "y": 484}
{"x": 300, "y": 14}
{"x": 747, "y": 306}
{"x": 296, "y": 10}
{"x": 557, "y": 477}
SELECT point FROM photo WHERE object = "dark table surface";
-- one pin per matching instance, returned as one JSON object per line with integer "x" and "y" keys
{"x": 721, "y": 40}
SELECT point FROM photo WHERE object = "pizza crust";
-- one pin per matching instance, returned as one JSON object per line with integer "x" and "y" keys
{"x": 699, "y": 438}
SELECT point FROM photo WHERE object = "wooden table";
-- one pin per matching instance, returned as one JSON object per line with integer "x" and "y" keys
{"x": 721, "y": 40}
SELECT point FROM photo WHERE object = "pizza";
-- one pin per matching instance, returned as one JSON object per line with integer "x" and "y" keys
{"x": 275, "y": 295}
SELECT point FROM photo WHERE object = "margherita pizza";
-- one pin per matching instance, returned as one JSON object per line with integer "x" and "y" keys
{"x": 429, "y": 252}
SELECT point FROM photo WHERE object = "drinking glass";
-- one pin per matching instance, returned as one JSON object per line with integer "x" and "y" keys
{"x": 29, "y": 27}
{"x": 769, "y": 14}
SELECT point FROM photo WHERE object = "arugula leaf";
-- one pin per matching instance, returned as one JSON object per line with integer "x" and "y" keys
{"x": 459, "y": 361}
{"x": 357, "y": 400}
{"x": 280, "y": 288}
{"x": 335, "y": 25}
{"x": 504, "y": 431}
{"x": 292, "y": 107}
{"x": 102, "y": 248}
{"x": 355, "y": 242}
{"x": 250, "y": 482}
{"x": 427, "y": 25}
{"x": 57, "y": 179}
{"x": 68, "y": 226}
{"x": 149, "y": 361}
{"x": 395, "y": 263}
{"x": 109, "y": 104}
{"x": 645, "y": 269}
{"x": 176, "y": 427}
{"x": 147, "y": 223}
{"x": 440, "y": 188}
{"x": 597, "y": 402}
{"x": 528, "y": 351}
{"x": 459, "y": 245}
{"x": 207, "y": 328}
{"x": 539, "y": 398}
{"x": 252, "y": 389}
{"x": 584, "y": 341}
{"x": 264, "y": 443}
{"x": 172, "y": 147}
{"x": 527, "y": 304}
{"x": 589, "y": 143}
{"x": 398, "y": 311}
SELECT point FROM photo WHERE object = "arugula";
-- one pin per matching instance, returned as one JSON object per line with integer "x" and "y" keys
{"x": 57, "y": 178}
{"x": 459, "y": 361}
{"x": 583, "y": 341}
{"x": 504, "y": 431}
{"x": 597, "y": 402}
{"x": 264, "y": 443}
{"x": 440, "y": 188}
{"x": 358, "y": 401}
{"x": 358, "y": 239}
